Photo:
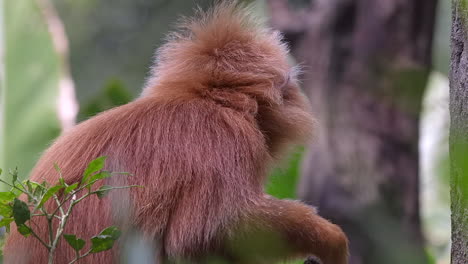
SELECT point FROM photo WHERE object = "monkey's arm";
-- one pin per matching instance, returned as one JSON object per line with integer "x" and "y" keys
{"x": 284, "y": 229}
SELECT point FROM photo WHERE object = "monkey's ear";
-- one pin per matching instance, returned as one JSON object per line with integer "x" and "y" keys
{"x": 235, "y": 100}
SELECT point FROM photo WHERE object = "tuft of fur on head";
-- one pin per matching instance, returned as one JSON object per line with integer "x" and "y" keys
{"x": 230, "y": 57}
{"x": 225, "y": 46}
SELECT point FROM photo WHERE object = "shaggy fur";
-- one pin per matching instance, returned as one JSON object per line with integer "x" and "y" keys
{"x": 221, "y": 105}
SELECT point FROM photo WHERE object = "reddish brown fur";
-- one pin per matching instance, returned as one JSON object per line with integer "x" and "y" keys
{"x": 220, "y": 107}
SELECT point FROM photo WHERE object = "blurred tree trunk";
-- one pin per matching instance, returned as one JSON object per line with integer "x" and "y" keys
{"x": 459, "y": 133}
{"x": 366, "y": 64}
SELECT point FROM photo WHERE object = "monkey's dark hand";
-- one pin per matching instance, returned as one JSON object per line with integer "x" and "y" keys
{"x": 312, "y": 260}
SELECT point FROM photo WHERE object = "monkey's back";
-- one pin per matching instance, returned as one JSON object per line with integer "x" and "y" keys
{"x": 195, "y": 158}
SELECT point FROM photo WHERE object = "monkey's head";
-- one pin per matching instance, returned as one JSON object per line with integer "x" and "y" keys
{"x": 228, "y": 56}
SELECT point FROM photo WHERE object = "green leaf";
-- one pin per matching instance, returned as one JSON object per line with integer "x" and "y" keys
{"x": 76, "y": 243}
{"x": 105, "y": 240}
{"x": 6, "y": 210}
{"x": 93, "y": 167}
{"x": 14, "y": 175}
{"x": 103, "y": 191}
{"x": 39, "y": 189}
{"x": 21, "y": 212}
{"x": 29, "y": 189}
{"x": 53, "y": 190}
{"x": 101, "y": 175}
{"x": 6, "y": 197}
{"x": 44, "y": 184}
{"x": 57, "y": 168}
{"x": 70, "y": 188}
{"x": 35, "y": 190}
{"x": 24, "y": 230}
{"x": 32, "y": 71}
{"x": 16, "y": 192}
{"x": 6, "y": 221}
{"x": 29, "y": 185}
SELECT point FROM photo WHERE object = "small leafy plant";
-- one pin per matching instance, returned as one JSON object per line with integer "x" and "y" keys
{"x": 66, "y": 197}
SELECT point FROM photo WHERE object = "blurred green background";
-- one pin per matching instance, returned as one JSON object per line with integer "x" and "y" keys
{"x": 111, "y": 44}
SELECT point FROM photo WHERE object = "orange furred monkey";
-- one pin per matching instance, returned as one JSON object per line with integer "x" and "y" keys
{"x": 221, "y": 106}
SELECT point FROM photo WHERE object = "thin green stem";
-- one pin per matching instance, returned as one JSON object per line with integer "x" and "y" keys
{"x": 38, "y": 238}
{"x": 80, "y": 257}
{"x": 70, "y": 195}
{"x": 13, "y": 186}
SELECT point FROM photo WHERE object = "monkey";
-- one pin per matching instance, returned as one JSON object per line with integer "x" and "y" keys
{"x": 221, "y": 106}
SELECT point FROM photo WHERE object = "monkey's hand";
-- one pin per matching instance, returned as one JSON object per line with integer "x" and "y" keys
{"x": 312, "y": 260}
{"x": 308, "y": 233}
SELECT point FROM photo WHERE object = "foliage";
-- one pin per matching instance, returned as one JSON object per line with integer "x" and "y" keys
{"x": 55, "y": 203}
{"x": 283, "y": 180}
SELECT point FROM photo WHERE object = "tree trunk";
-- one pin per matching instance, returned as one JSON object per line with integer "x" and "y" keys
{"x": 459, "y": 133}
{"x": 366, "y": 64}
